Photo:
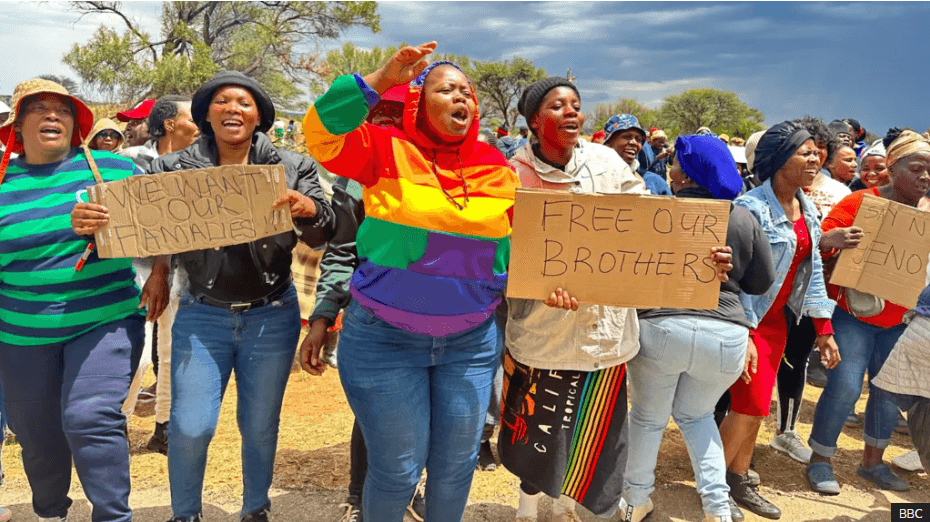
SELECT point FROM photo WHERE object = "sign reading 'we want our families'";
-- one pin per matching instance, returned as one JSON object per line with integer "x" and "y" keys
{"x": 175, "y": 212}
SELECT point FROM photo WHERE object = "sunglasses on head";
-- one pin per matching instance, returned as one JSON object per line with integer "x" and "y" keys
{"x": 113, "y": 135}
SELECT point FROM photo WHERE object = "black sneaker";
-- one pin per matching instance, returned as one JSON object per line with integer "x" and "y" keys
{"x": 816, "y": 372}
{"x": 353, "y": 507}
{"x": 486, "y": 461}
{"x": 159, "y": 441}
{"x": 179, "y": 519}
{"x": 417, "y": 506}
{"x": 748, "y": 498}
{"x": 262, "y": 515}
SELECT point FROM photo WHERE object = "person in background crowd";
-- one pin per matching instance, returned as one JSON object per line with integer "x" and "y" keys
{"x": 487, "y": 136}
{"x": 736, "y": 141}
{"x": 170, "y": 128}
{"x": 70, "y": 326}
{"x": 858, "y": 136}
{"x": 625, "y": 136}
{"x": 787, "y": 160}
{"x": 750, "y": 179}
{"x": 333, "y": 295}
{"x": 842, "y": 164}
{"x": 725, "y": 138}
{"x": 277, "y": 131}
{"x": 905, "y": 377}
{"x": 240, "y": 312}
{"x": 419, "y": 346}
{"x": 688, "y": 358}
{"x": 824, "y": 193}
{"x": 872, "y": 171}
{"x": 658, "y": 152}
{"x": 292, "y": 132}
{"x": 136, "y": 120}
{"x": 505, "y": 143}
{"x": 105, "y": 136}
{"x": 703, "y": 130}
{"x": 843, "y": 131}
{"x": 867, "y": 329}
{"x": 598, "y": 136}
{"x": 524, "y": 137}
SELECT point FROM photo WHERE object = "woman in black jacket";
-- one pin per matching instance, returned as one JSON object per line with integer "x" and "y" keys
{"x": 688, "y": 358}
{"x": 240, "y": 312}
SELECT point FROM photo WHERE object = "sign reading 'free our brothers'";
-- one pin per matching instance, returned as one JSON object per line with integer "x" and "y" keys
{"x": 617, "y": 249}
{"x": 175, "y": 212}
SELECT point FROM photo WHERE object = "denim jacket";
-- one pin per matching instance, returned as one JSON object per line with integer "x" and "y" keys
{"x": 809, "y": 295}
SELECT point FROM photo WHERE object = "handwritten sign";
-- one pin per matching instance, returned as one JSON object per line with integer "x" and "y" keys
{"x": 619, "y": 249}
{"x": 175, "y": 212}
{"x": 891, "y": 260}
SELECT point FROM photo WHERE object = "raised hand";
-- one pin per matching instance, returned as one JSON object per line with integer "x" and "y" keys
{"x": 401, "y": 67}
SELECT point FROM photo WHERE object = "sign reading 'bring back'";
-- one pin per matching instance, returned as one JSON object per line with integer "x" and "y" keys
{"x": 617, "y": 249}
{"x": 175, "y": 212}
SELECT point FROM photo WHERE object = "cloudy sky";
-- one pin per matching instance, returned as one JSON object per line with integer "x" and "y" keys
{"x": 832, "y": 60}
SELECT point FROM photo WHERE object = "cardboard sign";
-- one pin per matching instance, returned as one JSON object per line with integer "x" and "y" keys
{"x": 891, "y": 260}
{"x": 175, "y": 212}
{"x": 619, "y": 249}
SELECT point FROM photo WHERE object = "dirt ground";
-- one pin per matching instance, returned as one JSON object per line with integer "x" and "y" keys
{"x": 312, "y": 466}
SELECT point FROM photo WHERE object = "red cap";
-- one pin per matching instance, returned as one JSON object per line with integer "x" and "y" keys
{"x": 138, "y": 112}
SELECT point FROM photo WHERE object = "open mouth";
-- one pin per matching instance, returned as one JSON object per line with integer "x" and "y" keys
{"x": 232, "y": 124}
{"x": 50, "y": 132}
{"x": 571, "y": 126}
{"x": 460, "y": 117}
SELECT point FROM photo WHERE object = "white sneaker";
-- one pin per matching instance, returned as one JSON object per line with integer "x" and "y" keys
{"x": 53, "y": 519}
{"x": 630, "y": 513}
{"x": 720, "y": 518}
{"x": 910, "y": 461}
{"x": 790, "y": 443}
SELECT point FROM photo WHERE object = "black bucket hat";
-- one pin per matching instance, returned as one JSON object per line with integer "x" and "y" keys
{"x": 203, "y": 96}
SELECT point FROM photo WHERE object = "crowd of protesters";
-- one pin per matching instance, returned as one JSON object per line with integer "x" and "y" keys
{"x": 432, "y": 356}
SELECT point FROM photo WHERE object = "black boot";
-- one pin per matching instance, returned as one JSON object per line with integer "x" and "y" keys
{"x": 262, "y": 515}
{"x": 735, "y": 512}
{"x": 159, "y": 441}
{"x": 748, "y": 498}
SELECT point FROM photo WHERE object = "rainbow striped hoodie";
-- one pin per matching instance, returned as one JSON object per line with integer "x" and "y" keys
{"x": 426, "y": 265}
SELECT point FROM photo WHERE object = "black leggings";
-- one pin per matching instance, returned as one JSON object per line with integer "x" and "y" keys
{"x": 358, "y": 462}
{"x": 792, "y": 373}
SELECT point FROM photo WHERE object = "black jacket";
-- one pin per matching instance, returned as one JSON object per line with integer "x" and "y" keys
{"x": 271, "y": 256}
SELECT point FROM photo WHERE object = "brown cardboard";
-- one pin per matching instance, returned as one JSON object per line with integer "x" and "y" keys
{"x": 891, "y": 260}
{"x": 617, "y": 249}
{"x": 175, "y": 212}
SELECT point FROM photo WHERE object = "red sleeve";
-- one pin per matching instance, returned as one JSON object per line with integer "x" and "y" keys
{"x": 823, "y": 326}
{"x": 843, "y": 215}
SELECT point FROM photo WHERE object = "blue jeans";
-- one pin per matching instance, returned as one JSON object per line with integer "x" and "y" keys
{"x": 208, "y": 343}
{"x": 63, "y": 403}
{"x": 684, "y": 365}
{"x": 863, "y": 347}
{"x": 420, "y": 401}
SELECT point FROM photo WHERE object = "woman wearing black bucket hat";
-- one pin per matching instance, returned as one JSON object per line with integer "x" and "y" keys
{"x": 241, "y": 312}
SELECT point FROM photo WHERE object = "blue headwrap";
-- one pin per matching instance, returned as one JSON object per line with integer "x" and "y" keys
{"x": 621, "y": 122}
{"x": 708, "y": 162}
{"x": 777, "y": 145}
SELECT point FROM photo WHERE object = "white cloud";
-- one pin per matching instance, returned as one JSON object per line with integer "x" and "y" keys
{"x": 529, "y": 52}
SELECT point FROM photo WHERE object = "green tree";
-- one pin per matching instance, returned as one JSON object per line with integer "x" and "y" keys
{"x": 70, "y": 85}
{"x": 500, "y": 85}
{"x": 198, "y": 39}
{"x": 603, "y": 111}
{"x": 722, "y": 111}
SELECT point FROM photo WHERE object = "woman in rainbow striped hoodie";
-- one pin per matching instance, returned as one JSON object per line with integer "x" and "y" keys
{"x": 419, "y": 346}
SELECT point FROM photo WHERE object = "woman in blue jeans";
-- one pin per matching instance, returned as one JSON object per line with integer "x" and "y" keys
{"x": 240, "y": 313}
{"x": 688, "y": 358}
{"x": 419, "y": 345}
{"x": 866, "y": 337}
